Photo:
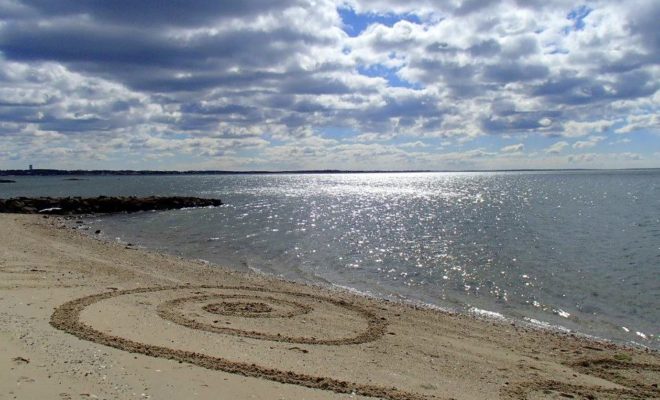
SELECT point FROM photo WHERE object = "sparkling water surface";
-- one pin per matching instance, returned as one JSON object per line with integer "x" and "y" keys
{"x": 579, "y": 250}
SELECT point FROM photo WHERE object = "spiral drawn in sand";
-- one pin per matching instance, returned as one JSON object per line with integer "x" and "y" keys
{"x": 229, "y": 315}
{"x": 258, "y": 306}
{"x": 211, "y": 308}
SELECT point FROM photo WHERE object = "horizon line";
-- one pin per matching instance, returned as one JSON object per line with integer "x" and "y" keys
{"x": 47, "y": 171}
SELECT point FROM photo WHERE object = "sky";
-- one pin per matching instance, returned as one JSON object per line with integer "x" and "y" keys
{"x": 329, "y": 84}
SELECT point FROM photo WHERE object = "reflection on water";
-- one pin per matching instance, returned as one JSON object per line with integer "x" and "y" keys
{"x": 578, "y": 249}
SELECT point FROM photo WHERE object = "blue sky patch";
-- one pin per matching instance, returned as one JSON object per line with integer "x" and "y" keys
{"x": 393, "y": 80}
{"x": 337, "y": 132}
{"x": 355, "y": 23}
{"x": 577, "y": 15}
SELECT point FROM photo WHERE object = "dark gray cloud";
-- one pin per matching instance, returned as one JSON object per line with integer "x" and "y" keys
{"x": 515, "y": 72}
{"x": 485, "y": 48}
{"x": 471, "y": 6}
{"x": 644, "y": 22}
{"x": 182, "y": 13}
{"x": 515, "y": 122}
{"x": 152, "y": 60}
{"x": 574, "y": 90}
{"x": 309, "y": 84}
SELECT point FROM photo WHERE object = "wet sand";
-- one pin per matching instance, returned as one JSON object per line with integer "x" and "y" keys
{"x": 80, "y": 319}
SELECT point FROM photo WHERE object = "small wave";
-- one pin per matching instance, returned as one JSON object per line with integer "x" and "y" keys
{"x": 485, "y": 313}
{"x": 546, "y": 325}
{"x": 561, "y": 313}
{"x": 364, "y": 293}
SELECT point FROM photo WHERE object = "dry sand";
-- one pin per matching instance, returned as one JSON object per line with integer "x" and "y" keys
{"x": 81, "y": 319}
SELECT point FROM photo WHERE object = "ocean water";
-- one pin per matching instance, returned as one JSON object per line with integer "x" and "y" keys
{"x": 577, "y": 250}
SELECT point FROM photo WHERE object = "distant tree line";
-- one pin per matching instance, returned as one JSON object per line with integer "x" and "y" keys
{"x": 49, "y": 172}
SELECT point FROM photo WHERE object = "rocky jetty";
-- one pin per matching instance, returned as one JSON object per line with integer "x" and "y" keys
{"x": 99, "y": 205}
{"x": 7, "y": 181}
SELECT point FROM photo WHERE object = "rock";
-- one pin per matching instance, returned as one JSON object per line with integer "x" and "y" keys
{"x": 17, "y": 203}
{"x": 7, "y": 181}
{"x": 102, "y": 204}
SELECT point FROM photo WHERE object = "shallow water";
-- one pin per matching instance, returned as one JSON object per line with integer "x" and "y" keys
{"x": 579, "y": 250}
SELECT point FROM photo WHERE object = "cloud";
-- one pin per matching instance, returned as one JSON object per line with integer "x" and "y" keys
{"x": 588, "y": 159}
{"x": 242, "y": 83}
{"x": 556, "y": 148}
{"x": 585, "y": 144}
{"x": 582, "y": 158}
{"x": 578, "y": 129}
{"x": 638, "y": 122}
{"x": 514, "y": 148}
{"x": 414, "y": 145}
{"x": 621, "y": 141}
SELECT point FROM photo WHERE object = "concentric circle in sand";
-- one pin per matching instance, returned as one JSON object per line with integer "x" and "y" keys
{"x": 234, "y": 305}
{"x": 292, "y": 317}
{"x": 255, "y": 313}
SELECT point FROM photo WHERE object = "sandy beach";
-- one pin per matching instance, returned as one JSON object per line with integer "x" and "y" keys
{"x": 81, "y": 319}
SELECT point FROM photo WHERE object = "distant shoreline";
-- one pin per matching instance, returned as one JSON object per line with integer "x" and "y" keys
{"x": 61, "y": 172}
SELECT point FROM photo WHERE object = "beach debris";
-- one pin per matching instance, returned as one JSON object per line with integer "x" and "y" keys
{"x": 304, "y": 351}
{"x": 20, "y": 360}
{"x": 49, "y": 210}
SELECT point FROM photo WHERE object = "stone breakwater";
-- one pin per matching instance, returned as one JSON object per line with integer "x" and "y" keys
{"x": 99, "y": 205}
